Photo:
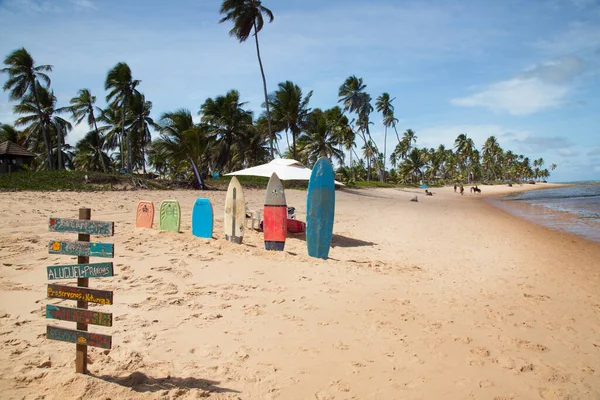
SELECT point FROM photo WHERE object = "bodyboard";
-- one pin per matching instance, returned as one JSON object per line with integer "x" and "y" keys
{"x": 144, "y": 215}
{"x": 202, "y": 218}
{"x": 170, "y": 215}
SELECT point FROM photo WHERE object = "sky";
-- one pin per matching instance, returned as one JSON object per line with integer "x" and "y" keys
{"x": 527, "y": 72}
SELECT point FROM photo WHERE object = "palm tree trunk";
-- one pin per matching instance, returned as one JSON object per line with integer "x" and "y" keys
{"x": 397, "y": 136}
{"x": 262, "y": 72}
{"x": 123, "y": 137}
{"x": 59, "y": 148}
{"x": 198, "y": 177}
{"x": 99, "y": 146}
{"x": 384, "y": 152}
{"x": 44, "y": 132}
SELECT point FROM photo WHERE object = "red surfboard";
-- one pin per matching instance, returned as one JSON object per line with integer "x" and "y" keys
{"x": 275, "y": 215}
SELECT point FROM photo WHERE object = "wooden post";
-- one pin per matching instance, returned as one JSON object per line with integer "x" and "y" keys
{"x": 81, "y": 350}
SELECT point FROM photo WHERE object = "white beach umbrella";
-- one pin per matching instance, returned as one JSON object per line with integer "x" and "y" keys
{"x": 285, "y": 168}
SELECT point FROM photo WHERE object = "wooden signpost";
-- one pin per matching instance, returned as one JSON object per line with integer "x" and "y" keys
{"x": 82, "y": 271}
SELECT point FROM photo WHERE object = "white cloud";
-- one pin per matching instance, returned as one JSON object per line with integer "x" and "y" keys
{"x": 594, "y": 152}
{"x": 517, "y": 96}
{"x": 538, "y": 88}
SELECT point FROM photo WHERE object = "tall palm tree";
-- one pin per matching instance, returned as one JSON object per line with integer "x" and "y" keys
{"x": 227, "y": 122}
{"x": 247, "y": 16}
{"x": 122, "y": 88}
{"x": 49, "y": 122}
{"x": 82, "y": 107}
{"x": 385, "y": 107}
{"x": 23, "y": 79}
{"x": 141, "y": 122}
{"x": 290, "y": 110}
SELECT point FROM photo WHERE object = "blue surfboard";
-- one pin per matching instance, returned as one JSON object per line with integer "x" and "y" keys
{"x": 202, "y": 218}
{"x": 320, "y": 209}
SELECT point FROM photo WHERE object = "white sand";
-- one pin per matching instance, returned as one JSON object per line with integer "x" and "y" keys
{"x": 445, "y": 298}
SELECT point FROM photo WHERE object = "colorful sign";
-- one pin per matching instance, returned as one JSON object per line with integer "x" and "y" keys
{"x": 85, "y": 226}
{"x": 97, "y": 270}
{"x": 78, "y": 337}
{"x": 89, "y": 249}
{"x": 78, "y": 315}
{"x": 104, "y": 297}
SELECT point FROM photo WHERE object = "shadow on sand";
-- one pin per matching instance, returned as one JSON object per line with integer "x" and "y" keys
{"x": 141, "y": 382}
{"x": 336, "y": 240}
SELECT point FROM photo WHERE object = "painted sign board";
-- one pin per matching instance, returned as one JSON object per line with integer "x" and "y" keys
{"x": 104, "y": 297}
{"x": 98, "y": 228}
{"x": 89, "y": 249}
{"x": 78, "y": 315}
{"x": 96, "y": 270}
{"x": 78, "y": 337}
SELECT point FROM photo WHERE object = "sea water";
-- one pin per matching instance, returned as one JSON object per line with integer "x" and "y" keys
{"x": 574, "y": 208}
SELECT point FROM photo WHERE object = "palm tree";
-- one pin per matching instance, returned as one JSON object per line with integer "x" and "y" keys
{"x": 140, "y": 120}
{"x": 10, "y": 133}
{"x": 90, "y": 154}
{"x": 227, "y": 121}
{"x": 82, "y": 107}
{"x": 320, "y": 140}
{"x": 23, "y": 79}
{"x": 49, "y": 122}
{"x": 181, "y": 143}
{"x": 247, "y": 16}
{"x": 464, "y": 151}
{"x": 412, "y": 165}
{"x": 122, "y": 89}
{"x": 385, "y": 107}
{"x": 290, "y": 110}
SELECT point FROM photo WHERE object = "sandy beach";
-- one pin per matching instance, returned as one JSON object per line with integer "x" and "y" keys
{"x": 446, "y": 298}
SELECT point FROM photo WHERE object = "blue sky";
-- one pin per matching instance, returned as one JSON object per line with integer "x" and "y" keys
{"x": 527, "y": 72}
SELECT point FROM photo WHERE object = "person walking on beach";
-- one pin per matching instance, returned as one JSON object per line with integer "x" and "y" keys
{"x": 462, "y": 189}
{"x": 455, "y": 188}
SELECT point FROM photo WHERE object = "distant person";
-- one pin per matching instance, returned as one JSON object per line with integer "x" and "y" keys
{"x": 455, "y": 188}
{"x": 462, "y": 189}
{"x": 428, "y": 193}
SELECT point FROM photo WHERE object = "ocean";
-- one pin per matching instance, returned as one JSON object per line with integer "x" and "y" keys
{"x": 575, "y": 209}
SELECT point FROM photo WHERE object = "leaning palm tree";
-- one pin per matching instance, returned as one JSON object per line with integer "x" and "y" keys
{"x": 464, "y": 147}
{"x": 247, "y": 16}
{"x": 122, "y": 89}
{"x": 82, "y": 107}
{"x": 23, "y": 79}
{"x": 290, "y": 110}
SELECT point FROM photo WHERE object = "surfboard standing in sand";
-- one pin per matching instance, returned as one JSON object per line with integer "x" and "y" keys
{"x": 275, "y": 215}
{"x": 235, "y": 212}
{"x": 320, "y": 209}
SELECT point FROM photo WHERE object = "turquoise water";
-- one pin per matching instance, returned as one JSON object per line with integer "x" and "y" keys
{"x": 575, "y": 209}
